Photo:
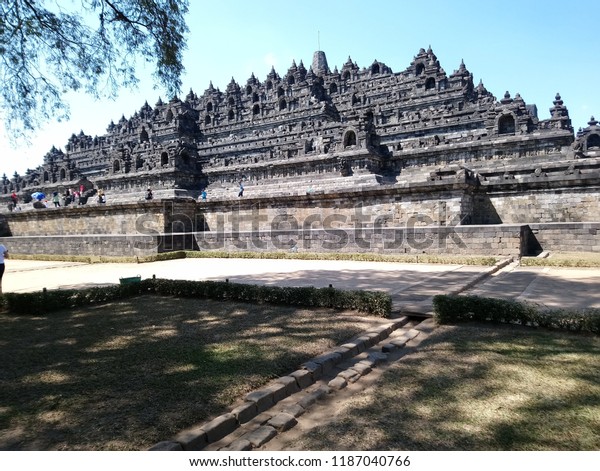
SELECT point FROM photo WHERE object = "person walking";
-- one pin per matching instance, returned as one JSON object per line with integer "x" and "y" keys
{"x": 241, "y": 193}
{"x": 3, "y": 255}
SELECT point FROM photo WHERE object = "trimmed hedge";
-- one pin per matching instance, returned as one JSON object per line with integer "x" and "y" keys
{"x": 449, "y": 309}
{"x": 371, "y": 302}
{"x": 41, "y": 302}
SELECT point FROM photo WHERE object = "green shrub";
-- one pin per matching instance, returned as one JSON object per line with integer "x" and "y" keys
{"x": 42, "y": 302}
{"x": 450, "y": 309}
{"x": 376, "y": 303}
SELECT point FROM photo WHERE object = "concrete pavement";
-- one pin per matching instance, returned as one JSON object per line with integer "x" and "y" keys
{"x": 411, "y": 285}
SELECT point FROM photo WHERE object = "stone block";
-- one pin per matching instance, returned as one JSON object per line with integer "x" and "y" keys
{"x": 327, "y": 361}
{"x": 349, "y": 375}
{"x": 304, "y": 378}
{"x": 344, "y": 352}
{"x": 245, "y": 412}
{"x": 399, "y": 342}
{"x": 260, "y": 436}
{"x": 337, "y": 383}
{"x": 352, "y": 348}
{"x": 295, "y": 409}
{"x": 282, "y": 422}
{"x": 315, "y": 369}
{"x": 220, "y": 427}
{"x": 278, "y": 390}
{"x": 362, "y": 368}
{"x": 263, "y": 399}
{"x": 290, "y": 383}
{"x": 378, "y": 357}
{"x": 192, "y": 439}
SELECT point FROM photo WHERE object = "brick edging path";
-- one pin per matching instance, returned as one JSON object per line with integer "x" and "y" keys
{"x": 275, "y": 408}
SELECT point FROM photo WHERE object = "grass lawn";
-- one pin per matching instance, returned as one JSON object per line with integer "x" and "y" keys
{"x": 477, "y": 387}
{"x": 123, "y": 376}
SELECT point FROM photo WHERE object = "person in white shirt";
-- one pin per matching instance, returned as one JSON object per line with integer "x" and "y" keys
{"x": 3, "y": 255}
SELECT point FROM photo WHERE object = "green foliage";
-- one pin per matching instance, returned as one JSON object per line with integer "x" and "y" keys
{"x": 41, "y": 302}
{"x": 48, "y": 50}
{"x": 376, "y": 303}
{"x": 451, "y": 309}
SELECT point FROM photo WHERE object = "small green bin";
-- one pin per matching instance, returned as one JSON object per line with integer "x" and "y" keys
{"x": 130, "y": 280}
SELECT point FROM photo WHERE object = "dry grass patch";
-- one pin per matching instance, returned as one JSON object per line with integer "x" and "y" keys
{"x": 476, "y": 387}
{"x": 125, "y": 375}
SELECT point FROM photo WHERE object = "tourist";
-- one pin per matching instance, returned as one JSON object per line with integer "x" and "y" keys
{"x": 3, "y": 255}
{"x": 149, "y": 195}
{"x": 67, "y": 197}
{"x": 14, "y": 198}
{"x": 241, "y": 193}
{"x": 203, "y": 195}
{"x": 56, "y": 199}
{"x": 101, "y": 197}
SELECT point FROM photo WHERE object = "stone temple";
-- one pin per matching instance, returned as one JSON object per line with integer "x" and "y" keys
{"x": 350, "y": 159}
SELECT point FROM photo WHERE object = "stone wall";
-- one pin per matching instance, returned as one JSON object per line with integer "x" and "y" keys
{"x": 565, "y": 237}
{"x": 538, "y": 200}
{"x": 157, "y": 216}
{"x": 430, "y": 203}
{"x": 507, "y": 240}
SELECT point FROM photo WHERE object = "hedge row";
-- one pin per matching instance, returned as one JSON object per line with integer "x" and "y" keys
{"x": 449, "y": 309}
{"x": 370, "y": 302}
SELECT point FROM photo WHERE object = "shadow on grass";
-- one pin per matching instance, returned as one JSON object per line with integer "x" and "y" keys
{"x": 478, "y": 387}
{"x": 129, "y": 374}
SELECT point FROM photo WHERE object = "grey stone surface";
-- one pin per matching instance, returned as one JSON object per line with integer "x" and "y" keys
{"x": 362, "y": 368}
{"x": 290, "y": 383}
{"x": 316, "y": 369}
{"x": 283, "y": 421}
{"x": 245, "y": 412}
{"x": 260, "y": 436}
{"x": 278, "y": 390}
{"x": 295, "y": 409}
{"x": 327, "y": 361}
{"x": 263, "y": 399}
{"x": 337, "y": 383}
{"x": 192, "y": 439}
{"x": 378, "y": 357}
{"x": 220, "y": 427}
{"x": 349, "y": 375}
{"x": 304, "y": 378}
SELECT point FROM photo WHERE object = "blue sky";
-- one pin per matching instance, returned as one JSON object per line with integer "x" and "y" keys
{"x": 535, "y": 48}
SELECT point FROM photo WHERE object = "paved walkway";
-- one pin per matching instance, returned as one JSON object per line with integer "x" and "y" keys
{"x": 411, "y": 285}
